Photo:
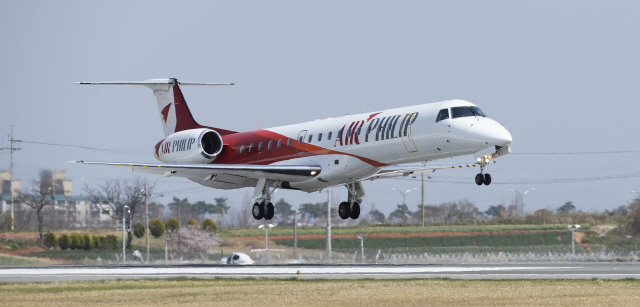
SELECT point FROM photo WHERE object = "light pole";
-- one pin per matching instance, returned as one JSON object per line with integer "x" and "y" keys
{"x": 328, "y": 243}
{"x": 166, "y": 250}
{"x": 404, "y": 194}
{"x": 361, "y": 237}
{"x": 125, "y": 211}
{"x": 523, "y": 194}
{"x": 266, "y": 234}
{"x": 573, "y": 237}
{"x": 146, "y": 213}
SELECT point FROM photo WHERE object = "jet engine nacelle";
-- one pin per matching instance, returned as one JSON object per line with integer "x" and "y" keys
{"x": 190, "y": 146}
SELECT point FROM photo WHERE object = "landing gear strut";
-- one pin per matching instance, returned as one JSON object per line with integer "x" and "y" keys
{"x": 483, "y": 178}
{"x": 263, "y": 209}
{"x": 351, "y": 207}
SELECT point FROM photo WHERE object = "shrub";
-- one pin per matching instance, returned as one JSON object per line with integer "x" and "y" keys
{"x": 156, "y": 228}
{"x": 77, "y": 241}
{"x": 96, "y": 242}
{"x": 64, "y": 242}
{"x": 88, "y": 242}
{"x": 172, "y": 224}
{"x": 111, "y": 242}
{"x": 209, "y": 225}
{"x": 50, "y": 240}
{"x": 192, "y": 222}
{"x": 138, "y": 230}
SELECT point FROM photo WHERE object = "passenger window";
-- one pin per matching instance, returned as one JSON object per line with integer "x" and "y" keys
{"x": 310, "y": 138}
{"x": 319, "y": 137}
{"x": 358, "y": 131}
{"x": 279, "y": 142}
{"x": 289, "y": 142}
{"x": 241, "y": 148}
{"x": 260, "y": 146}
{"x": 251, "y": 147}
{"x": 349, "y": 131}
{"x": 270, "y": 144}
{"x": 329, "y": 136}
{"x": 442, "y": 115}
{"x": 300, "y": 140}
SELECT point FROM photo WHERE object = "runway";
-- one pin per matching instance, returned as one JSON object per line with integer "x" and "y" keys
{"x": 485, "y": 271}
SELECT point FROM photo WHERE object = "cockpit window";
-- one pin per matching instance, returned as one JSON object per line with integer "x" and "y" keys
{"x": 466, "y": 111}
{"x": 442, "y": 115}
{"x": 478, "y": 111}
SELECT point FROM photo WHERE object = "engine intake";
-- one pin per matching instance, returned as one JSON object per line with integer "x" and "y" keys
{"x": 190, "y": 146}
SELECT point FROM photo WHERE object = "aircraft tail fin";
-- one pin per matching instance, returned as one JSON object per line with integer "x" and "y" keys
{"x": 174, "y": 113}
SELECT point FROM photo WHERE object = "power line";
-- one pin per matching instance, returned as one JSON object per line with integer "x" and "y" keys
{"x": 578, "y": 152}
{"x": 74, "y": 146}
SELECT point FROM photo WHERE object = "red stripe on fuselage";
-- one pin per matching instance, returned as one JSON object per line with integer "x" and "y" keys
{"x": 231, "y": 154}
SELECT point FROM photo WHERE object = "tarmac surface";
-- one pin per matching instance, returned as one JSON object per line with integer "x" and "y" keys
{"x": 571, "y": 270}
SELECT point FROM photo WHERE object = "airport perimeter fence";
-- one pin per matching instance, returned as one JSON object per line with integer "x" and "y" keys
{"x": 434, "y": 255}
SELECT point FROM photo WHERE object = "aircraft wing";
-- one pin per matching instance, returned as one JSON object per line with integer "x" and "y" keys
{"x": 291, "y": 173}
{"x": 410, "y": 169}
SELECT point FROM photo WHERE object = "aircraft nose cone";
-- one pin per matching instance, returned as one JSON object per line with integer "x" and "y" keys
{"x": 501, "y": 135}
{"x": 492, "y": 133}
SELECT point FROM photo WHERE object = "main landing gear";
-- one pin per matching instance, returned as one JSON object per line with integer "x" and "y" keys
{"x": 263, "y": 208}
{"x": 483, "y": 178}
{"x": 351, "y": 207}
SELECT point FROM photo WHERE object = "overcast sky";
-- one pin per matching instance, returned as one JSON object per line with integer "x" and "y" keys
{"x": 562, "y": 77}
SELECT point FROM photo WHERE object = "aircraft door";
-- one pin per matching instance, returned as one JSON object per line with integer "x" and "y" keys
{"x": 406, "y": 133}
{"x": 301, "y": 136}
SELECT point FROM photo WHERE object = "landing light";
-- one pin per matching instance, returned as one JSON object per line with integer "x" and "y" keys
{"x": 313, "y": 173}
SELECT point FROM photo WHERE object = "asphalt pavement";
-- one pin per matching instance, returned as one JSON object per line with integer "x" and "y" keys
{"x": 583, "y": 270}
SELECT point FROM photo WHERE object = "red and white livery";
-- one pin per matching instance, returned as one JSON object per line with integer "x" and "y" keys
{"x": 311, "y": 156}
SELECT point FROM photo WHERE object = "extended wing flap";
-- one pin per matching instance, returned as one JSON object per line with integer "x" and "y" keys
{"x": 291, "y": 173}
{"x": 410, "y": 169}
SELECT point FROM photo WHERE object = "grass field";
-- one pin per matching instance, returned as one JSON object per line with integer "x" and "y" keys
{"x": 514, "y": 240}
{"x": 228, "y": 292}
{"x": 278, "y": 231}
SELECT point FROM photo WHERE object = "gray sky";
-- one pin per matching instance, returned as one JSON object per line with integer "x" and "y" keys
{"x": 561, "y": 76}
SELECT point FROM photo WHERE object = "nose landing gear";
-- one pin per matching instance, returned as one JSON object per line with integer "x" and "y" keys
{"x": 483, "y": 178}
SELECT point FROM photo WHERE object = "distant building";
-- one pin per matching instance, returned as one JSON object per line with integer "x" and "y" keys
{"x": 68, "y": 211}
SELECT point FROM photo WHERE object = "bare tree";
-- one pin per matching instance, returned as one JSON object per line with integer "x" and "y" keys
{"x": 116, "y": 194}
{"x": 38, "y": 197}
{"x": 245, "y": 210}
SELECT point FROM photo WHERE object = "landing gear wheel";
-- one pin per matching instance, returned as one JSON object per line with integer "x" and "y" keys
{"x": 480, "y": 179}
{"x": 487, "y": 179}
{"x": 268, "y": 214}
{"x": 355, "y": 211}
{"x": 257, "y": 211}
{"x": 343, "y": 210}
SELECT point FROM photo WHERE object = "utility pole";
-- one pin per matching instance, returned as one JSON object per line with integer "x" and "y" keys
{"x": 295, "y": 235}
{"x": 146, "y": 215}
{"x": 12, "y": 149}
{"x": 422, "y": 201}
{"x": 328, "y": 225}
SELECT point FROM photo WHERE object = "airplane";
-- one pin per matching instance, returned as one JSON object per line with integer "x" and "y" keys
{"x": 320, "y": 154}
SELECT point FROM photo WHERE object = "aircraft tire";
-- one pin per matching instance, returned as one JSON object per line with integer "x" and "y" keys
{"x": 479, "y": 179}
{"x": 343, "y": 210}
{"x": 257, "y": 211}
{"x": 268, "y": 214}
{"x": 487, "y": 179}
{"x": 355, "y": 211}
